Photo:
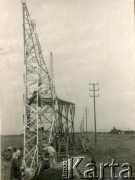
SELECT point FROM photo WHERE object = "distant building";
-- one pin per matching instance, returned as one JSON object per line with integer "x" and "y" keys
{"x": 118, "y": 131}
{"x": 130, "y": 132}
{"x": 115, "y": 131}
{"x": 121, "y": 132}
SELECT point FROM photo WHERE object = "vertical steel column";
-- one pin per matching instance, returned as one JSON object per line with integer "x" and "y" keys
{"x": 67, "y": 129}
{"x": 37, "y": 86}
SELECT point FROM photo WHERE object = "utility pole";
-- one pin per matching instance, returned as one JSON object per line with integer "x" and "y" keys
{"x": 94, "y": 101}
{"x": 83, "y": 124}
{"x": 86, "y": 112}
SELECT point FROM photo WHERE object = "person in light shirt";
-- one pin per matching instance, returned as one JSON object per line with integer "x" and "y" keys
{"x": 19, "y": 152}
{"x": 52, "y": 153}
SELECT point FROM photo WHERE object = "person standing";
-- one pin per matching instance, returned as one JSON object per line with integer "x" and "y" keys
{"x": 6, "y": 167}
{"x": 52, "y": 154}
{"x": 15, "y": 166}
{"x": 14, "y": 155}
{"x": 19, "y": 152}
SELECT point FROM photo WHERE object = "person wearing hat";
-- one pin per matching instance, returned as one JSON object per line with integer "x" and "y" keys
{"x": 10, "y": 148}
{"x": 52, "y": 153}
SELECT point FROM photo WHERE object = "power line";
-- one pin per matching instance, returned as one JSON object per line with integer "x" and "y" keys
{"x": 62, "y": 80}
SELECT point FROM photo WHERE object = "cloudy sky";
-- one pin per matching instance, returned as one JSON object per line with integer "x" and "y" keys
{"x": 91, "y": 41}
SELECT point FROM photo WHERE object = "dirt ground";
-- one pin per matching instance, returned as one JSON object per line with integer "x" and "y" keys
{"x": 118, "y": 147}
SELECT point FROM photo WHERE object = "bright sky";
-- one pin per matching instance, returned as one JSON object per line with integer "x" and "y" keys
{"x": 91, "y": 41}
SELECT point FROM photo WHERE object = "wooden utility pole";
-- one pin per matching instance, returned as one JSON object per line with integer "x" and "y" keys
{"x": 94, "y": 96}
{"x": 83, "y": 124}
{"x": 86, "y": 112}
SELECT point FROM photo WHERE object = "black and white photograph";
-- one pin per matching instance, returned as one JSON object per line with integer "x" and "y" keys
{"x": 67, "y": 89}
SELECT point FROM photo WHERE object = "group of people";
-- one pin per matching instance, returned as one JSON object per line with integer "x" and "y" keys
{"x": 48, "y": 161}
{"x": 12, "y": 161}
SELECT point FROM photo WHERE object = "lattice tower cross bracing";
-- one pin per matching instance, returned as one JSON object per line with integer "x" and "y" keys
{"x": 37, "y": 117}
{"x": 40, "y": 103}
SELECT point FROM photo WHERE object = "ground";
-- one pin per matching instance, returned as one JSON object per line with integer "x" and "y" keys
{"x": 118, "y": 147}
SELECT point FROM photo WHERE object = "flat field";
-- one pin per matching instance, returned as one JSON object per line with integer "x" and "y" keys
{"x": 118, "y": 147}
{"x": 121, "y": 148}
{"x": 11, "y": 140}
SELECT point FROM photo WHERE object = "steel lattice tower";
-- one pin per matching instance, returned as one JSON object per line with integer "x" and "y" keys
{"x": 37, "y": 116}
{"x": 47, "y": 119}
{"x": 52, "y": 76}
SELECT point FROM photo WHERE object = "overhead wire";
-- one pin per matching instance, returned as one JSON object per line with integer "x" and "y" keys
{"x": 59, "y": 73}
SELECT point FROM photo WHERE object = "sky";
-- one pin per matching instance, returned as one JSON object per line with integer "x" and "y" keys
{"x": 91, "y": 40}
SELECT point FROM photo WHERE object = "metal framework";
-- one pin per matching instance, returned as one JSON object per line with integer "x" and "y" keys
{"x": 37, "y": 87}
{"x": 63, "y": 117}
{"x": 65, "y": 132}
{"x": 47, "y": 119}
{"x": 63, "y": 128}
